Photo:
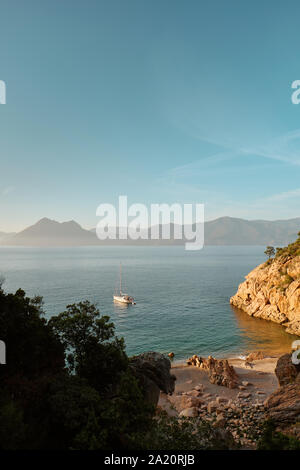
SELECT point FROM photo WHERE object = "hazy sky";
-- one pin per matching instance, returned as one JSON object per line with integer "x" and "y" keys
{"x": 160, "y": 100}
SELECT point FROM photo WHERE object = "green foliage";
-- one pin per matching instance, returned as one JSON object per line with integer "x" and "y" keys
{"x": 170, "y": 433}
{"x": 268, "y": 262}
{"x": 73, "y": 418}
{"x": 285, "y": 281}
{"x": 288, "y": 279}
{"x": 93, "y": 352}
{"x": 32, "y": 348}
{"x": 12, "y": 426}
{"x": 270, "y": 251}
{"x": 273, "y": 440}
{"x": 293, "y": 249}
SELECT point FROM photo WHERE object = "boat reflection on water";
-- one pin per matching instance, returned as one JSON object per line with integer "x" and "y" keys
{"x": 120, "y": 307}
{"x": 122, "y": 312}
{"x": 264, "y": 335}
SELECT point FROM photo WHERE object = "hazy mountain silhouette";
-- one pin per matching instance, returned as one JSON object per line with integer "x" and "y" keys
{"x": 221, "y": 231}
{"x": 47, "y": 232}
{"x": 234, "y": 231}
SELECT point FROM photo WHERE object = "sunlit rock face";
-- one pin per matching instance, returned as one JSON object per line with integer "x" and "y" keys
{"x": 272, "y": 292}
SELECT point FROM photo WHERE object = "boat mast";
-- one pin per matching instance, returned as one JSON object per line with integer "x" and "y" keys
{"x": 120, "y": 278}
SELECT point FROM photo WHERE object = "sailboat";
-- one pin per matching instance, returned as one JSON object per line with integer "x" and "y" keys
{"x": 121, "y": 297}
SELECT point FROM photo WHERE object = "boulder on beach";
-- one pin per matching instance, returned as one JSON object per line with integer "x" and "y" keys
{"x": 219, "y": 370}
{"x": 255, "y": 356}
{"x": 152, "y": 369}
{"x": 189, "y": 412}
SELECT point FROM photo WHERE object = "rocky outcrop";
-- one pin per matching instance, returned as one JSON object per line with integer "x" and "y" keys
{"x": 286, "y": 372}
{"x": 255, "y": 356}
{"x": 283, "y": 406}
{"x": 219, "y": 370}
{"x": 152, "y": 370}
{"x": 272, "y": 292}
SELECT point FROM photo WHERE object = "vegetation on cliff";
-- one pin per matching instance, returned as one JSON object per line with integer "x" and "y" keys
{"x": 293, "y": 249}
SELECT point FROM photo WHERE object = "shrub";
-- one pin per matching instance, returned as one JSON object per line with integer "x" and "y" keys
{"x": 274, "y": 440}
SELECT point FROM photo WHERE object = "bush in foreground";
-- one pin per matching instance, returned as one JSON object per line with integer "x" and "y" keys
{"x": 274, "y": 440}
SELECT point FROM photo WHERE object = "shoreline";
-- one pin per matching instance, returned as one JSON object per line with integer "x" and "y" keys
{"x": 231, "y": 358}
{"x": 267, "y": 365}
{"x": 240, "y": 410}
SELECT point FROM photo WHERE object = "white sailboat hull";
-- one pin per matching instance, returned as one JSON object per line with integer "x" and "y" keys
{"x": 122, "y": 300}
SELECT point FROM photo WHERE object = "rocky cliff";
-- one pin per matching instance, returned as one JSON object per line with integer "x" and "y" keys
{"x": 283, "y": 406}
{"x": 272, "y": 290}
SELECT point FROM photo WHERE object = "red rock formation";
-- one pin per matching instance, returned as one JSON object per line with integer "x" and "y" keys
{"x": 219, "y": 370}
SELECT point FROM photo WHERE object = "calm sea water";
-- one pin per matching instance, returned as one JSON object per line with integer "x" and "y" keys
{"x": 182, "y": 297}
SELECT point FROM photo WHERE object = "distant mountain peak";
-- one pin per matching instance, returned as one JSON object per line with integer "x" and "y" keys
{"x": 50, "y": 232}
{"x": 71, "y": 222}
{"x": 44, "y": 221}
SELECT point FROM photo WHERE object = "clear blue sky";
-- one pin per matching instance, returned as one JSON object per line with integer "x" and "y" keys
{"x": 162, "y": 100}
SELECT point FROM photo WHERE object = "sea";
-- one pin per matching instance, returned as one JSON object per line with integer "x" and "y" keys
{"x": 182, "y": 297}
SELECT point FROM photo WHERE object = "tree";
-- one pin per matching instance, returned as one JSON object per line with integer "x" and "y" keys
{"x": 97, "y": 358}
{"x": 93, "y": 351}
{"x": 270, "y": 251}
{"x": 34, "y": 356}
{"x": 32, "y": 349}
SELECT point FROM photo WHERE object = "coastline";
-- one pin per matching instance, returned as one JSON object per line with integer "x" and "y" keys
{"x": 251, "y": 372}
{"x": 260, "y": 374}
{"x": 240, "y": 410}
{"x": 234, "y": 359}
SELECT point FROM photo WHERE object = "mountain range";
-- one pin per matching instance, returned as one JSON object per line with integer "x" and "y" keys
{"x": 221, "y": 231}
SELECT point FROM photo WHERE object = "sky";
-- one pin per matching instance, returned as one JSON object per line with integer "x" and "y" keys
{"x": 161, "y": 100}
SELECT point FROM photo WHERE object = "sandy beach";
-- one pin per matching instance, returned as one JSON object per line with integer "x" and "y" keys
{"x": 261, "y": 380}
{"x": 240, "y": 410}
